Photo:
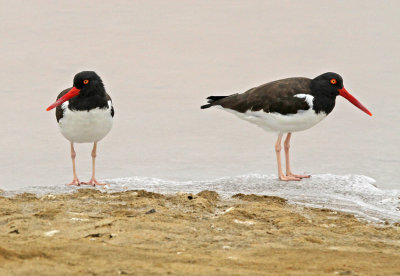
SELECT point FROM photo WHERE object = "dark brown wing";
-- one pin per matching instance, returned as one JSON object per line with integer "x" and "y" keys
{"x": 276, "y": 96}
{"x": 59, "y": 111}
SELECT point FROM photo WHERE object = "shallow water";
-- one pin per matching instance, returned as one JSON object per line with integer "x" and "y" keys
{"x": 159, "y": 60}
{"x": 355, "y": 194}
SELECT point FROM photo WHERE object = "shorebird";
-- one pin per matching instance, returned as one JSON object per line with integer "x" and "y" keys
{"x": 84, "y": 114}
{"x": 286, "y": 106}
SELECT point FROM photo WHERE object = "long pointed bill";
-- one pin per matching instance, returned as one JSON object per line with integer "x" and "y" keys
{"x": 70, "y": 94}
{"x": 343, "y": 92}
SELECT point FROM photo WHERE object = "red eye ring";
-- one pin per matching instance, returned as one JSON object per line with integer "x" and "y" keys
{"x": 85, "y": 81}
{"x": 333, "y": 81}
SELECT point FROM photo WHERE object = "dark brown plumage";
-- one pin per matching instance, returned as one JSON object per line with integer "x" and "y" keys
{"x": 276, "y": 96}
{"x": 286, "y": 106}
{"x": 84, "y": 114}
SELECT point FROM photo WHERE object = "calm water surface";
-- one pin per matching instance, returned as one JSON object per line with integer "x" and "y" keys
{"x": 160, "y": 59}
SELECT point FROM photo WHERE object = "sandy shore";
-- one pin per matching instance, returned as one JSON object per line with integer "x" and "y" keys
{"x": 142, "y": 233}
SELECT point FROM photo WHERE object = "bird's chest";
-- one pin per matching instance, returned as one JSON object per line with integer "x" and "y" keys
{"x": 82, "y": 126}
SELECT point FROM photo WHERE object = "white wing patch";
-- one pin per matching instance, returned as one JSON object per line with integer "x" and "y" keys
{"x": 308, "y": 98}
{"x": 64, "y": 105}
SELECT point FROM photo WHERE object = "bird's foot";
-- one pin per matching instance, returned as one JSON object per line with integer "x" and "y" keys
{"x": 93, "y": 182}
{"x": 298, "y": 175}
{"x": 74, "y": 182}
{"x": 288, "y": 178}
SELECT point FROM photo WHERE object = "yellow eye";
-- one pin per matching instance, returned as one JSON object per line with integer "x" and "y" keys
{"x": 333, "y": 81}
{"x": 87, "y": 81}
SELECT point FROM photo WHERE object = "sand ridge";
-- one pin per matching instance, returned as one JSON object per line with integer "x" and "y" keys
{"x": 143, "y": 233}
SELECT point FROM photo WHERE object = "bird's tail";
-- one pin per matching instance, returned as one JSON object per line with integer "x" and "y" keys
{"x": 211, "y": 101}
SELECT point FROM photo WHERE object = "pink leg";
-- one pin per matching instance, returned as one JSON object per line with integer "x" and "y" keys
{"x": 278, "y": 148}
{"x": 93, "y": 180}
{"x": 288, "y": 170}
{"x": 75, "y": 181}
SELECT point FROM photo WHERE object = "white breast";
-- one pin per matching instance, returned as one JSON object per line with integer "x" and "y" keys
{"x": 85, "y": 126}
{"x": 276, "y": 122}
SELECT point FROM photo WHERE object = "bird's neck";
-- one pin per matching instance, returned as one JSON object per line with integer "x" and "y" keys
{"x": 91, "y": 100}
{"x": 323, "y": 103}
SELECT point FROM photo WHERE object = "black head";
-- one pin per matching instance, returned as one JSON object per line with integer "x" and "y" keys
{"x": 89, "y": 83}
{"x": 327, "y": 84}
{"x": 88, "y": 92}
{"x": 326, "y": 87}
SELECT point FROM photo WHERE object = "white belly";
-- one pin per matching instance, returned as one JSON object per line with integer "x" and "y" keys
{"x": 85, "y": 126}
{"x": 279, "y": 123}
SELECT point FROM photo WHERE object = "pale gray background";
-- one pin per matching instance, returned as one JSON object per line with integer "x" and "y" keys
{"x": 160, "y": 59}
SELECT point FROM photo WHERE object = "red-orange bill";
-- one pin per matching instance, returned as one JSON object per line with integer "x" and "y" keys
{"x": 345, "y": 94}
{"x": 70, "y": 94}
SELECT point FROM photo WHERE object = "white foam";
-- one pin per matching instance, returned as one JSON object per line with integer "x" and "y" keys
{"x": 356, "y": 194}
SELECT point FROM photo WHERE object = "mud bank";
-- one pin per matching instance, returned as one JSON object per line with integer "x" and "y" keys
{"x": 138, "y": 232}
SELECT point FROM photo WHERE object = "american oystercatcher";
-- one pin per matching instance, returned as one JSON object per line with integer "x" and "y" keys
{"x": 286, "y": 106}
{"x": 85, "y": 115}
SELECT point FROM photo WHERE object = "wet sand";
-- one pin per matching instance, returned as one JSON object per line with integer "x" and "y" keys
{"x": 142, "y": 233}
